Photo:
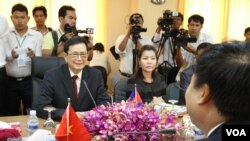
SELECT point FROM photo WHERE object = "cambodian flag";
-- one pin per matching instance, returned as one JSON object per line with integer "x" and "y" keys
{"x": 135, "y": 96}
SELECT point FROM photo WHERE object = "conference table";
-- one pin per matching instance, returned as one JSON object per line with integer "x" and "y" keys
{"x": 23, "y": 123}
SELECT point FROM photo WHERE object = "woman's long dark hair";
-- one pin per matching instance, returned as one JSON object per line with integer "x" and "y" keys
{"x": 99, "y": 47}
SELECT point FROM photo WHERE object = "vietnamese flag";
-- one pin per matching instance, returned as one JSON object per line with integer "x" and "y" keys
{"x": 71, "y": 128}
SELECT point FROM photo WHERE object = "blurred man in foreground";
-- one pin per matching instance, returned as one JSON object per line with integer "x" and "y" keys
{"x": 219, "y": 92}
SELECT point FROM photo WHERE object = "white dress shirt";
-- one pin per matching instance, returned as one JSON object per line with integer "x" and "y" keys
{"x": 31, "y": 39}
{"x": 100, "y": 59}
{"x": 3, "y": 45}
{"x": 4, "y": 30}
{"x": 126, "y": 56}
{"x": 190, "y": 58}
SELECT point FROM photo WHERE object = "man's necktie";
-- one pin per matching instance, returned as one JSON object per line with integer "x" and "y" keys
{"x": 75, "y": 85}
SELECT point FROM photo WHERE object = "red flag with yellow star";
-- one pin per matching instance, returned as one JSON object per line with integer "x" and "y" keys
{"x": 71, "y": 128}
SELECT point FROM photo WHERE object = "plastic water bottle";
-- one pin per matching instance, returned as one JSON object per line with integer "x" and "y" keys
{"x": 33, "y": 123}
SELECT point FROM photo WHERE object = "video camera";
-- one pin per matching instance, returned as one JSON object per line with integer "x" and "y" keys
{"x": 68, "y": 28}
{"x": 181, "y": 37}
{"x": 167, "y": 20}
{"x": 135, "y": 20}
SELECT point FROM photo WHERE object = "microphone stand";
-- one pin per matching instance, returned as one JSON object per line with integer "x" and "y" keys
{"x": 88, "y": 91}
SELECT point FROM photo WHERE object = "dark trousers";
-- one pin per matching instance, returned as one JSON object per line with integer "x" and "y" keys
{"x": 3, "y": 84}
{"x": 18, "y": 90}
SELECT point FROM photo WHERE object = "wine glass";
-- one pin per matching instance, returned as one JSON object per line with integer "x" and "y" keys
{"x": 49, "y": 122}
{"x": 173, "y": 102}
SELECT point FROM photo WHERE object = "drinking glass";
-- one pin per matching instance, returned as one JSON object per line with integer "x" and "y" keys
{"x": 49, "y": 122}
{"x": 173, "y": 102}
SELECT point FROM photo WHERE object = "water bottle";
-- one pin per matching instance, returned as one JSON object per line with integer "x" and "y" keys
{"x": 33, "y": 123}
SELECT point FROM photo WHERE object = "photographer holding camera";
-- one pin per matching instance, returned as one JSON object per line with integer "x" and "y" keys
{"x": 167, "y": 30}
{"x": 195, "y": 24}
{"x": 129, "y": 44}
{"x": 66, "y": 15}
{"x": 53, "y": 42}
{"x": 187, "y": 54}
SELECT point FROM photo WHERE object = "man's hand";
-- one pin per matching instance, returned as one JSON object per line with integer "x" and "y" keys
{"x": 190, "y": 49}
{"x": 14, "y": 53}
{"x": 69, "y": 35}
{"x": 159, "y": 22}
{"x": 30, "y": 53}
{"x": 90, "y": 41}
{"x": 65, "y": 37}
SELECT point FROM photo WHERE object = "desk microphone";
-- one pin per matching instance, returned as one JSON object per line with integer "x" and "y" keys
{"x": 86, "y": 86}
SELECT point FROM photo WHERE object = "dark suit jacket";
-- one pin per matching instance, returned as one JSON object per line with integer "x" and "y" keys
{"x": 57, "y": 87}
{"x": 216, "y": 135}
{"x": 185, "y": 79}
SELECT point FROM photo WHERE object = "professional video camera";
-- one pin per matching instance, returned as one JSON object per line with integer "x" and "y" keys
{"x": 68, "y": 28}
{"x": 181, "y": 37}
{"x": 72, "y": 29}
{"x": 135, "y": 20}
{"x": 167, "y": 20}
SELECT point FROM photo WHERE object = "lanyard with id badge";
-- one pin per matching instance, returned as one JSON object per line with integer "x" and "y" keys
{"x": 22, "y": 59}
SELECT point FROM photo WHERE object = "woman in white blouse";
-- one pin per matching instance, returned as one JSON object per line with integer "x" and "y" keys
{"x": 100, "y": 61}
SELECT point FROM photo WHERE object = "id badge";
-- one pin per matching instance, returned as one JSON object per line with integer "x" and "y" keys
{"x": 21, "y": 61}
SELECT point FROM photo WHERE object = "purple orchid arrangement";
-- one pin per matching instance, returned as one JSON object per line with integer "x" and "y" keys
{"x": 107, "y": 121}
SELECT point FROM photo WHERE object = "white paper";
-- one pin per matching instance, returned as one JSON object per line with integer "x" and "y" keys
{"x": 21, "y": 51}
{"x": 40, "y": 135}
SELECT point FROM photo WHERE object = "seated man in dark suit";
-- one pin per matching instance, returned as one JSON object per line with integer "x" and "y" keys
{"x": 75, "y": 80}
{"x": 219, "y": 91}
{"x": 186, "y": 74}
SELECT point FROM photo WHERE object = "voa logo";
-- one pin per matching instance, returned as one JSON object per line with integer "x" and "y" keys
{"x": 236, "y": 132}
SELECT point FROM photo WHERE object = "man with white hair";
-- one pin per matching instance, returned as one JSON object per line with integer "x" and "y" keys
{"x": 4, "y": 29}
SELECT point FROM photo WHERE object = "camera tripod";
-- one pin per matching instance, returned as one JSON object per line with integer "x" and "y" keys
{"x": 168, "y": 70}
{"x": 135, "y": 38}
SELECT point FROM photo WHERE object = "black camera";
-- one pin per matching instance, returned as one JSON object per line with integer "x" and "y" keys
{"x": 167, "y": 20}
{"x": 181, "y": 37}
{"x": 137, "y": 30}
{"x": 135, "y": 20}
{"x": 68, "y": 28}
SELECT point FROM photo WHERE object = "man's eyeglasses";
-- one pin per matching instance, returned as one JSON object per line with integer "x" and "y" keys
{"x": 75, "y": 55}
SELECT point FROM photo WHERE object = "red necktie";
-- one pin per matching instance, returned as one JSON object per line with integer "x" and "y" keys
{"x": 75, "y": 86}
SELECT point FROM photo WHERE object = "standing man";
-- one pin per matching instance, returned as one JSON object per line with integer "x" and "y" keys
{"x": 75, "y": 80}
{"x": 24, "y": 43}
{"x": 127, "y": 45}
{"x": 195, "y": 24}
{"x": 40, "y": 16}
{"x": 165, "y": 43}
{"x": 4, "y": 30}
{"x": 168, "y": 46}
{"x": 53, "y": 41}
